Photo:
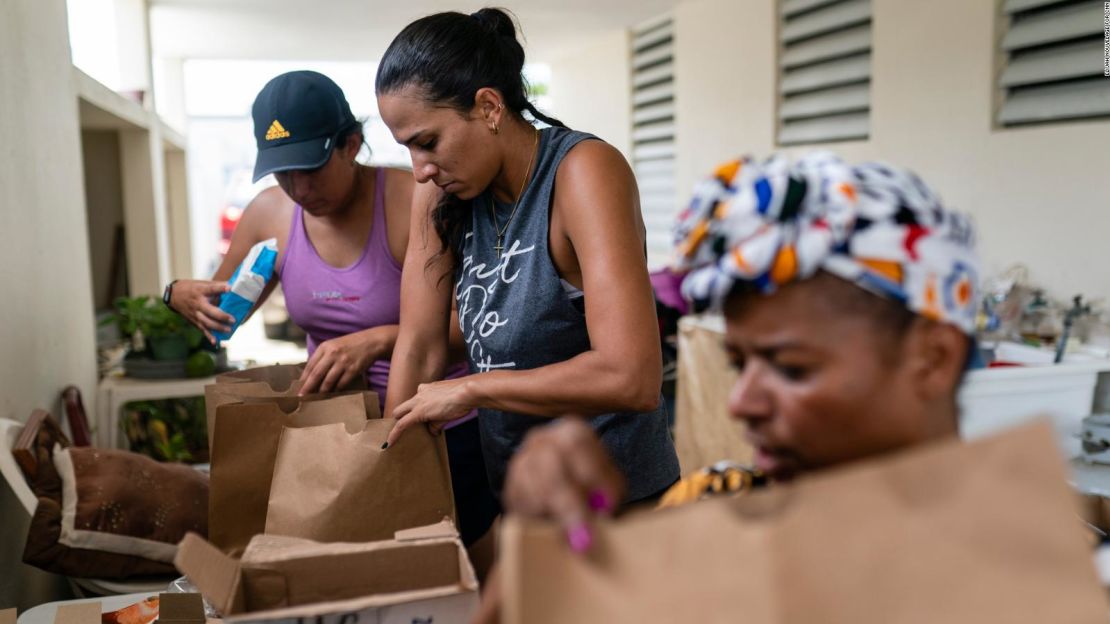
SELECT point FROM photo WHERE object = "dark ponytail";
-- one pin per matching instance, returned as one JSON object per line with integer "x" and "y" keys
{"x": 449, "y": 57}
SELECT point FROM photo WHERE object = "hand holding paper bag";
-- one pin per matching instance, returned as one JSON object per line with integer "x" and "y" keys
{"x": 953, "y": 533}
{"x": 563, "y": 472}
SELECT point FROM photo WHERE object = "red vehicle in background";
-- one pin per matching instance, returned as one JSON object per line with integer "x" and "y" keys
{"x": 240, "y": 193}
{"x": 229, "y": 218}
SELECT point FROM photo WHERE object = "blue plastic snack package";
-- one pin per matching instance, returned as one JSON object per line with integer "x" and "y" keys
{"x": 247, "y": 283}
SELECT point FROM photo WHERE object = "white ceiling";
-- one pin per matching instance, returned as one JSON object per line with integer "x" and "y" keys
{"x": 360, "y": 30}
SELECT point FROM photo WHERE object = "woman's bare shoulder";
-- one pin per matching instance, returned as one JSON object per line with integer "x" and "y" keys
{"x": 269, "y": 214}
{"x": 593, "y": 157}
{"x": 399, "y": 180}
{"x": 399, "y": 187}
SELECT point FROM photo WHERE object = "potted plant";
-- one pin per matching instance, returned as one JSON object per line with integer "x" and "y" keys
{"x": 155, "y": 329}
{"x": 170, "y": 336}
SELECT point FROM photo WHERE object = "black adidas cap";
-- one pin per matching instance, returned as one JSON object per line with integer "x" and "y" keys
{"x": 297, "y": 119}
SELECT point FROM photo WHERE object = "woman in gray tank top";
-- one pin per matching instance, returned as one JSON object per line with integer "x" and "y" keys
{"x": 537, "y": 235}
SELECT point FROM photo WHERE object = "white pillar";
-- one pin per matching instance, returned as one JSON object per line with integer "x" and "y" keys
{"x": 47, "y": 338}
{"x": 144, "y": 210}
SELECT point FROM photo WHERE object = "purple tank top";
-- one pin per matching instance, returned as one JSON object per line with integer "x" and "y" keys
{"x": 328, "y": 302}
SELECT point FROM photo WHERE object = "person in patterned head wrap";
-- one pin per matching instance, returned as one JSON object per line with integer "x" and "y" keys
{"x": 849, "y": 294}
{"x": 761, "y": 226}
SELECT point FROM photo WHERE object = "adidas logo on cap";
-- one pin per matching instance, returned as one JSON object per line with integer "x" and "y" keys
{"x": 276, "y": 131}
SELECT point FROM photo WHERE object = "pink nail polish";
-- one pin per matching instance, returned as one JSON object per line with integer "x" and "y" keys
{"x": 580, "y": 538}
{"x": 599, "y": 501}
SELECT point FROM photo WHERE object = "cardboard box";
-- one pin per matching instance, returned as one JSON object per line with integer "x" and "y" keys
{"x": 421, "y": 575}
{"x": 311, "y": 517}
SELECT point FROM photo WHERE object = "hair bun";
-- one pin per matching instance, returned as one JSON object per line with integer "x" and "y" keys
{"x": 495, "y": 21}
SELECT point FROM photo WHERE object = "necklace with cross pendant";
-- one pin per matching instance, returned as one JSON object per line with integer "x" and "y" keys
{"x": 497, "y": 229}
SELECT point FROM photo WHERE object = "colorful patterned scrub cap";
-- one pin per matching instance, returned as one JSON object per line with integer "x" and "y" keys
{"x": 879, "y": 227}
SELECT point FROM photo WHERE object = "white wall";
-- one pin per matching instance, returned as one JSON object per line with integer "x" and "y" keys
{"x": 1040, "y": 195}
{"x": 132, "y": 45}
{"x": 47, "y": 335}
{"x": 724, "y": 79}
{"x": 590, "y": 89}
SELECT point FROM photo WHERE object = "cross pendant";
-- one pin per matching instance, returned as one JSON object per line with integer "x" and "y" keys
{"x": 498, "y": 248}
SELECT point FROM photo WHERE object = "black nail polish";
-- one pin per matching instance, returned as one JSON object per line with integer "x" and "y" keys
{"x": 385, "y": 446}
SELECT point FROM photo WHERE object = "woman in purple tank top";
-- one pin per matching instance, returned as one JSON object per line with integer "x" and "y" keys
{"x": 342, "y": 229}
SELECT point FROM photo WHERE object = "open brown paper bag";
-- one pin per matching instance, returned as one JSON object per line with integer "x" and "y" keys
{"x": 332, "y": 485}
{"x": 257, "y": 384}
{"x": 954, "y": 533}
{"x": 246, "y": 446}
{"x": 260, "y": 382}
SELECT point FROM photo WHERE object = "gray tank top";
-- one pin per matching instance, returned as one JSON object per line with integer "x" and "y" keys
{"x": 516, "y": 313}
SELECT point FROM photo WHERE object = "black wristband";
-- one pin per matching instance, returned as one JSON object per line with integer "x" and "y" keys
{"x": 167, "y": 294}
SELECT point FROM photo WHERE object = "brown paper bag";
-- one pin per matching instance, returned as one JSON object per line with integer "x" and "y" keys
{"x": 257, "y": 384}
{"x": 704, "y": 432}
{"x": 953, "y": 533}
{"x": 244, "y": 450}
{"x": 251, "y": 383}
{"x": 331, "y": 485}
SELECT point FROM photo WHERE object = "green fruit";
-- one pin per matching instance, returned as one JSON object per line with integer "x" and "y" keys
{"x": 200, "y": 364}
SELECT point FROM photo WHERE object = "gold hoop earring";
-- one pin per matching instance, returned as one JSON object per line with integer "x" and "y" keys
{"x": 495, "y": 128}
